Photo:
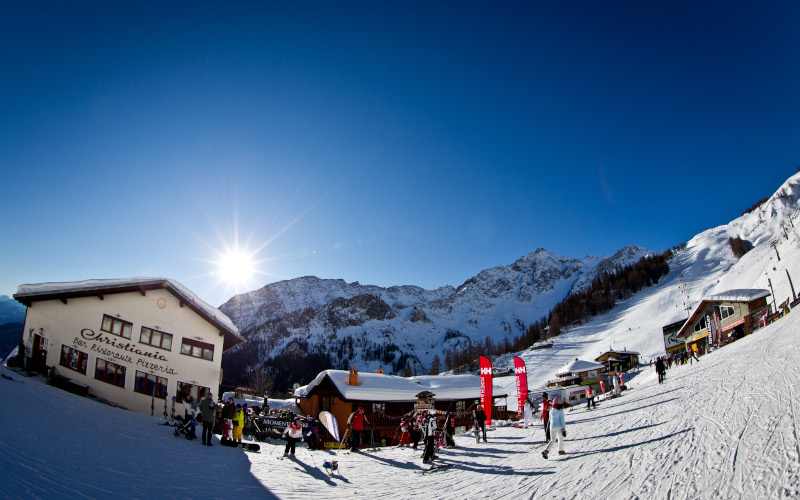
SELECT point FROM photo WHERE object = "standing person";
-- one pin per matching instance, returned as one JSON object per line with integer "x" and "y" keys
{"x": 357, "y": 422}
{"x": 295, "y": 434}
{"x": 546, "y": 417}
{"x": 416, "y": 432}
{"x": 589, "y": 398}
{"x": 449, "y": 429}
{"x": 405, "y": 433}
{"x": 615, "y": 380}
{"x": 660, "y": 370}
{"x": 208, "y": 409}
{"x": 311, "y": 433}
{"x": 479, "y": 423}
{"x": 238, "y": 423}
{"x": 227, "y": 415}
{"x": 558, "y": 427}
{"x": 429, "y": 427}
{"x": 527, "y": 414}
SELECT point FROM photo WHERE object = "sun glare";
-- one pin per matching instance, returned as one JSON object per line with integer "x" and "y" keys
{"x": 236, "y": 267}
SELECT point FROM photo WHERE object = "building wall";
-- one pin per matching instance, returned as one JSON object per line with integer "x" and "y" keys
{"x": 77, "y": 324}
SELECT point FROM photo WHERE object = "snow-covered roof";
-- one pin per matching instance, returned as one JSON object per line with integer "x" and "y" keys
{"x": 381, "y": 387}
{"x": 579, "y": 365}
{"x": 741, "y": 295}
{"x": 46, "y": 291}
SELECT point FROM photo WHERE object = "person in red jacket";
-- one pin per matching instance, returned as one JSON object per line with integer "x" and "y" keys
{"x": 357, "y": 423}
{"x": 405, "y": 433}
{"x": 546, "y": 416}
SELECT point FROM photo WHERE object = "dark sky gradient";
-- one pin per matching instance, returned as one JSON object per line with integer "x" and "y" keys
{"x": 403, "y": 143}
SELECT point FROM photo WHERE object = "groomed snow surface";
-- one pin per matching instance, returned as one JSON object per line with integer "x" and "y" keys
{"x": 726, "y": 427}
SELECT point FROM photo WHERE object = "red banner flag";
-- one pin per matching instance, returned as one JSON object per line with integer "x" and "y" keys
{"x": 603, "y": 388}
{"x": 522, "y": 385}
{"x": 486, "y": 388}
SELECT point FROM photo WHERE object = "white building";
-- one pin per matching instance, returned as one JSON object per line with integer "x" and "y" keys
{"x": 135, "y": 342}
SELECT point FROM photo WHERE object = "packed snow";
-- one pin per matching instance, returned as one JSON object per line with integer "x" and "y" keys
{"x": 724, "y": 427}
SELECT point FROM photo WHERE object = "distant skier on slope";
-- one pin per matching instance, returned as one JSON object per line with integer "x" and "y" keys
{"x": 558, "y": 427}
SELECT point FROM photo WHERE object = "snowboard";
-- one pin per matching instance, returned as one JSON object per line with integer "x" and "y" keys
{"x": 244, "y": 446}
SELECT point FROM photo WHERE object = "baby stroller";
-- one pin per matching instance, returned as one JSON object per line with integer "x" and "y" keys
{"x": 187, "y": 423}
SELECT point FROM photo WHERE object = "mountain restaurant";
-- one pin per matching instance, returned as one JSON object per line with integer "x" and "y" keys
{"x": 134, "y": 343}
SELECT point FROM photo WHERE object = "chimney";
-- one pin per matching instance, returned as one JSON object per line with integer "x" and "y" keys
{"x": 353, "y": 377}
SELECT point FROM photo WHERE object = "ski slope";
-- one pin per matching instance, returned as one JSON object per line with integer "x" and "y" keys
{"x": 726, "y": 427}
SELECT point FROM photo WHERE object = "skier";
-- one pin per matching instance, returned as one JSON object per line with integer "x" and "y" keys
{"x": 527, "y": 413}
{"x": 590, "y": 398}
{"x": 617, "y": 389}
{"x": 429, "y": 428}
{"x": 660, "y": 370}
{"x": 356, "y": 422}
{"x": 208, "y": 409}
{"x": 558, "y": 427}
{"x": 479, "y": 423}
{"x": 546, "y": 417}
{"x": 405, "y": 434}
{"x": 295, "y": 434}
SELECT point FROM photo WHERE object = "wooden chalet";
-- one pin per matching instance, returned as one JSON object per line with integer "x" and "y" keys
{"x": 387, "y": 398}
{"x": 622, "y": 361}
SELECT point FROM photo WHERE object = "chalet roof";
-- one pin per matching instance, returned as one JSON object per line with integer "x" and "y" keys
{"x": 609, "y": 354}
{"x": 29, "y": 293}
{"x": 579, "y": 365}
{"x": 745, "y": 295}
{"x": 391, "y": 388}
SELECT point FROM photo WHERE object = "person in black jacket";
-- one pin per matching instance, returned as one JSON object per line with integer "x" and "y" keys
{"x": 227, "y": 414}
{"x": 479, "y": 421}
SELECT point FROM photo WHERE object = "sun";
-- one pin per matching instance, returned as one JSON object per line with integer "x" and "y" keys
{"x": 236, "y": 267}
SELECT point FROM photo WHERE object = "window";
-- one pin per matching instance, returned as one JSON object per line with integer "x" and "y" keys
{"x": 73, "y": 359}
{"x": 116, "y": 326}
{"x": 195, "y": 391}
{"x": 460, "y": 406}
{"x": 155, "y": 338}
{"x": 197, "y": 349}
{"x": 378, "y": 407}
{"x": 700, "y": 325}
{"x": 150, "y": 385}
{"x": 727, "y": 312}
{"x": 109, "y": 372}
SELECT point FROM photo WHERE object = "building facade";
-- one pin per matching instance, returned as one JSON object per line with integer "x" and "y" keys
{"x": 723, "y": 318}
{"x": 135, "y": 343}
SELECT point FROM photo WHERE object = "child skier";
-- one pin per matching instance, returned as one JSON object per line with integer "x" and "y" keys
{"x": 405, "y": 434}
{"x": 558, "y": 427}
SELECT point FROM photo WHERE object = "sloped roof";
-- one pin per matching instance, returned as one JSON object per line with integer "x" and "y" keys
{"x": 391, "y": 388}
{"x": 29, "y": 293}
{"x": 739, "y": 295}
{"x": 579, "y": 365}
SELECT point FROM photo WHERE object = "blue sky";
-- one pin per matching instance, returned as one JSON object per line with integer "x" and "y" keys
{"x": 386, "y": 143}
